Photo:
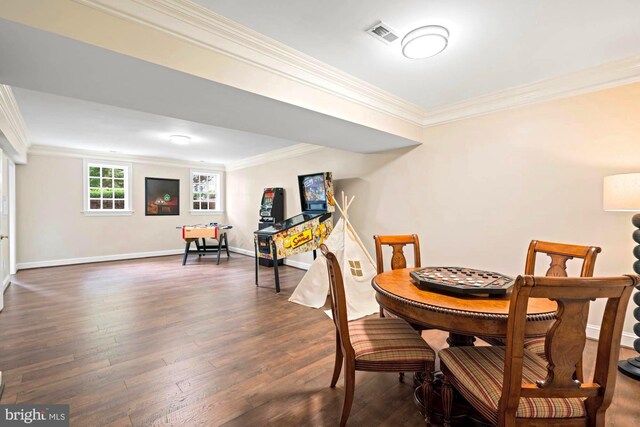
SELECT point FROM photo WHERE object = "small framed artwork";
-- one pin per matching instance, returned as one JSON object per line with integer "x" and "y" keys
{"x": 162, "y": 196}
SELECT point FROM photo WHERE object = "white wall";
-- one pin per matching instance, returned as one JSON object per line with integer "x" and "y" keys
{"x": 4, "y": 227}
{"x": 52, "y": 229}
{"x": 480, "y": 189}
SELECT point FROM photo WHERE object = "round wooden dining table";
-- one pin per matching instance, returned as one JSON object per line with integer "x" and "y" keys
{"x": 464, "y": 317}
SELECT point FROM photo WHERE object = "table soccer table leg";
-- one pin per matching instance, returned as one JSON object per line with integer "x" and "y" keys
{"x": 275, "y": 266}
{"x": 219, "y": 247}
{"x": 226, "y": 245}
{"x": 197, "y": 247}
{"x": 255, "y": 248}
{"x": 186, "y": 252}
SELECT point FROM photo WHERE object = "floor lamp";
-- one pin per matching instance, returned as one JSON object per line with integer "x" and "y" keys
{"x": 622, "y": 193}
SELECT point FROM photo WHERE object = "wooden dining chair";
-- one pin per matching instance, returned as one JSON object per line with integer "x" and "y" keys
{"x": 398, "y": 260}
{"x": 373, "y": 344}
{"x": 397, "y": 243}
{"x": 511, "y": 385}
{"x": 559, "y": 253}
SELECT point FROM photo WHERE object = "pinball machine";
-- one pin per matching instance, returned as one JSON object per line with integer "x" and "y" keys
{"x": 301, "y": 233}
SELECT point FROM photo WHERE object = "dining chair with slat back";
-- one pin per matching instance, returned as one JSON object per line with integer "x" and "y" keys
{"x": 398, "y": 259}
{"x": 373, "y": 344}
{"x": 559, "y": 254}
{"x": 511, "y": 385}
{"x": 397, "y": 243}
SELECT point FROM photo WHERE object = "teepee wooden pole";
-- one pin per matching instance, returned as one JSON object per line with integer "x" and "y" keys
{"x": 350, "y": 228}
{"x": 349, "y": 204}
{"x": 359, "y": 242}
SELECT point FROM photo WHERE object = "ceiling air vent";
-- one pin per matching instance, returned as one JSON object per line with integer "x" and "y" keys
{"x": 383, "y": 32}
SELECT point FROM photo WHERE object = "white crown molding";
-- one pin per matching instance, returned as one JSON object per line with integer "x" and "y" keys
{"x": 197, "y": 24}
{"x": 289, "y": 152}
{"x": 603, "y": 76}
{"x": 12, "y": 126}
{"x": 188, "y": 21}
{"x": 42, "y": 150}
{"x": 271, "y": 156}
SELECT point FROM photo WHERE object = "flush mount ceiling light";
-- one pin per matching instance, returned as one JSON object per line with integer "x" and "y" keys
{"x": 425, "y": 42}
{"x": 180, "y": 139}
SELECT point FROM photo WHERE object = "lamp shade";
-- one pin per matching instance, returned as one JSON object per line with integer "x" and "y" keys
{"x": 622, "y": 192}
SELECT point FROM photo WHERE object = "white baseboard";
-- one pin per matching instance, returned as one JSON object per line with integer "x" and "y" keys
{"x": 297, "y": 264}
{"x": 242, "y": 251}
{"x": 102, "y": 258}
{"x": 118, "y": 257}
{"x": 5, "y": 283}
{"x": 290, "y": 263}
{"x": 593, "y": 332}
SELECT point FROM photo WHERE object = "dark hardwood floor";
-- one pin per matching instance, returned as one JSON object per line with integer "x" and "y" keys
{"x": 150, "y": 342}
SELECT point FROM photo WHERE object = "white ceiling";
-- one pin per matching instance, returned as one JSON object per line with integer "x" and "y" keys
{"x": 45, "y": 63}
{"x": 76, "y": 95}
{"x": 72, "y": 123}
{"x": 494, "y": 44}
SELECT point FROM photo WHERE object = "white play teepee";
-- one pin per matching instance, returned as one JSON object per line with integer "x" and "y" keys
{"x": 358, "y": 268}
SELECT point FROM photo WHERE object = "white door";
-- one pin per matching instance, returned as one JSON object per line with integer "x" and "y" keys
{"x": 4, "y": 223}
{"x": 7, "y": 223}
{"x": 12, "y": 215}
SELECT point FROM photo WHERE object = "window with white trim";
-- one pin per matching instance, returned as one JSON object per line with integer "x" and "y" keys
{"x": 205, "y": 191}
{"x": 107, "y": 187}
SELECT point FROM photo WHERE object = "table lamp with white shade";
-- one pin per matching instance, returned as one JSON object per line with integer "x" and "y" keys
{"x": 622, "y": 193}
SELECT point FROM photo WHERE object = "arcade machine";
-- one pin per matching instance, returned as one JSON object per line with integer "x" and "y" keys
{"x": 271, "y": 211}
{"x": 301, "y": 233}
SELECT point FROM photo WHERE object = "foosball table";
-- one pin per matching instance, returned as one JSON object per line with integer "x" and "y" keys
{"x": 199, "y": 233}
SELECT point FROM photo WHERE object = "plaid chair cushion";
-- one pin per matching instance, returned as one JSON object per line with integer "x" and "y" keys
{"x": 388, "y": 340}
{"x": 535, "y": 346}
{"x": 479, "y": 372}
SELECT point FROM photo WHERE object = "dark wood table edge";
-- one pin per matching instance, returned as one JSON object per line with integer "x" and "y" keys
{"x": 470, "y": 314}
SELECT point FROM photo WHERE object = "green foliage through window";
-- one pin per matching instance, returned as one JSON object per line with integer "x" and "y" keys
{"x": 205, "y": 190}
{"x": 107, "y": 187}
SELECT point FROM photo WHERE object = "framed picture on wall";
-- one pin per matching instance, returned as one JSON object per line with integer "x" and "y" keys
{"x": 162, "y": 196}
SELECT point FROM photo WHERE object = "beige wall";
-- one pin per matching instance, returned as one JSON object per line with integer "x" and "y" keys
{"x": 476, "y": 193}
{"x": 51, "y": 225}
{"x": 480, "y": 189}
